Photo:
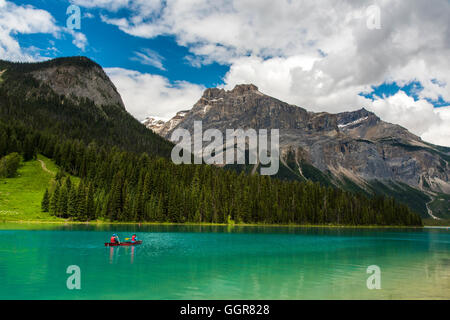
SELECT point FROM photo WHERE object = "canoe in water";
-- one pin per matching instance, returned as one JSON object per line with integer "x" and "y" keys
{"x": 108, "y": 244}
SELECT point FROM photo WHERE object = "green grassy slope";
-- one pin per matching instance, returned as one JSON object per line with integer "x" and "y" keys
{"x": 21, "y": 196}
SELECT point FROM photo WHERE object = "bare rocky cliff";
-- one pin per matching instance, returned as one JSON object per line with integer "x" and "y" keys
{"x": 78, "y": 78}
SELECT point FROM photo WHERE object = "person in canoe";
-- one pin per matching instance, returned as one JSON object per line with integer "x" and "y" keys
{"x": 115, "y": 239}
{"x": 134, "y": 238}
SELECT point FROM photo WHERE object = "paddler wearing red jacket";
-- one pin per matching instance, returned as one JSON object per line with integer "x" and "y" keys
{"x": 115, "y": 239}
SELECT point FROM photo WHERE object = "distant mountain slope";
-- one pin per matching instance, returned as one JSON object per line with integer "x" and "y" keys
{"x": 74, "y": 98}
{"x": 355, "y": 150}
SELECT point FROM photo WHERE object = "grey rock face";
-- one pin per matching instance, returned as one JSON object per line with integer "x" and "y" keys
{"x": 76, "y": 82}
{"x": 357, "y": 145}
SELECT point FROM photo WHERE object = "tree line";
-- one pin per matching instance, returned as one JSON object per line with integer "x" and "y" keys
{"x": 118, "y": 185}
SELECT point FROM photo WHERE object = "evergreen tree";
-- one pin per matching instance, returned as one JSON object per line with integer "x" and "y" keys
{"x": 45, "y": 204}
{"x": 90, "y": 203}
{"x": 72, "y": 204}
{"x": 29, "y": 149}
{"x": 54, "y": 201}
{"x": 3, "y": 144}
{"x": 62, "y": 202}
{"x": 82, "y": 202}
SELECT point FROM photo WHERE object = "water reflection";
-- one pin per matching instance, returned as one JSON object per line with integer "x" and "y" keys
{"x": 114, "y": 253}
{"x": 163, "y": 228}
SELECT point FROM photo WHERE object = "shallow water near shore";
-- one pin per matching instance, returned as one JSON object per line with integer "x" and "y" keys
{"x": 219, "y": 262}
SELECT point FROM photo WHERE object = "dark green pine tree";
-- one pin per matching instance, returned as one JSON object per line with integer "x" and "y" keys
{"x": 138, "y": 209}
{"x": 68, "y": 184}
{"x": 29, "y": 149}
{"x": 3, "y": 144}
{"x": 59, "y": 175}
{"x": 54, "y": 201}
{"x": 127, "y": 213}
{"x": 62, "y": 202}
{"x": 198, "y": 216}
{"x": 45, "y": 204}
{"x": 115, "y": 198}
{"x": 82, "y": 202}
{"x": 72, "y": 204}
{"x": 90, "y": 203}
{"x": 160, "y": 209}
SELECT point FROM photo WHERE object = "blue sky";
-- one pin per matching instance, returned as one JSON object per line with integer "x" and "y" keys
{"x": 111, "y": 47}
{"x": 412, "y": 89}
{"x": 390, "y": 58}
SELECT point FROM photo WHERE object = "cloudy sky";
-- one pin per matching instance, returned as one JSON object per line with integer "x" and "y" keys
{"x": 391, "y": 57}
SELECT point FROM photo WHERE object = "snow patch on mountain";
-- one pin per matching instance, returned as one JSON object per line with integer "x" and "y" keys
{"x": 353, "y": 122}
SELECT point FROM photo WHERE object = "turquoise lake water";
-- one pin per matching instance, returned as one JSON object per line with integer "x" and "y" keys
{"x": 193, "y": 262}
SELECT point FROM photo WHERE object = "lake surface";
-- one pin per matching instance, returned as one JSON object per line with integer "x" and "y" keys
{"x": 193, "y": 262}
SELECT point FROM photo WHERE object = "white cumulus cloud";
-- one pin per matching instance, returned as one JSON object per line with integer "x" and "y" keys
{"x": 146, "y": 94}
{"x": 79, "y": 39}
{"x": 432, "y": 124}
{"x": 316, "y": 54}
{"x": 16, "y": 19}
{"x": 439, "y": 133}
{"x": 27, "y": 19}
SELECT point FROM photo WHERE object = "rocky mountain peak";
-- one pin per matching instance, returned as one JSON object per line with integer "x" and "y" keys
{"x": 217, "y": 93}
{"x": 241, "y": 89}
{"x": 76, "y": 78}
{"x": 213, "y": 93}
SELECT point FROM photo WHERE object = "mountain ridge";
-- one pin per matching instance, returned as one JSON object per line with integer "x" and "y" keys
{"x": 73, "y": 77}
{"x": 74, "y": 98}
{"x": 355, "y": 146}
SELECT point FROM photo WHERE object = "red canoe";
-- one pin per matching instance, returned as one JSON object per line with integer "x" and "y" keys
{"x": 108, "y": 244}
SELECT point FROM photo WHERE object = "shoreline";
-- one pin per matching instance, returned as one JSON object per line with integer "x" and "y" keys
{"x": 105, "y": 223}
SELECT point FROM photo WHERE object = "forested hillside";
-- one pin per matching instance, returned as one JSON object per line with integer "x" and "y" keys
{"x": 31, "y": 104}
{"x": 126, "y": 175}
